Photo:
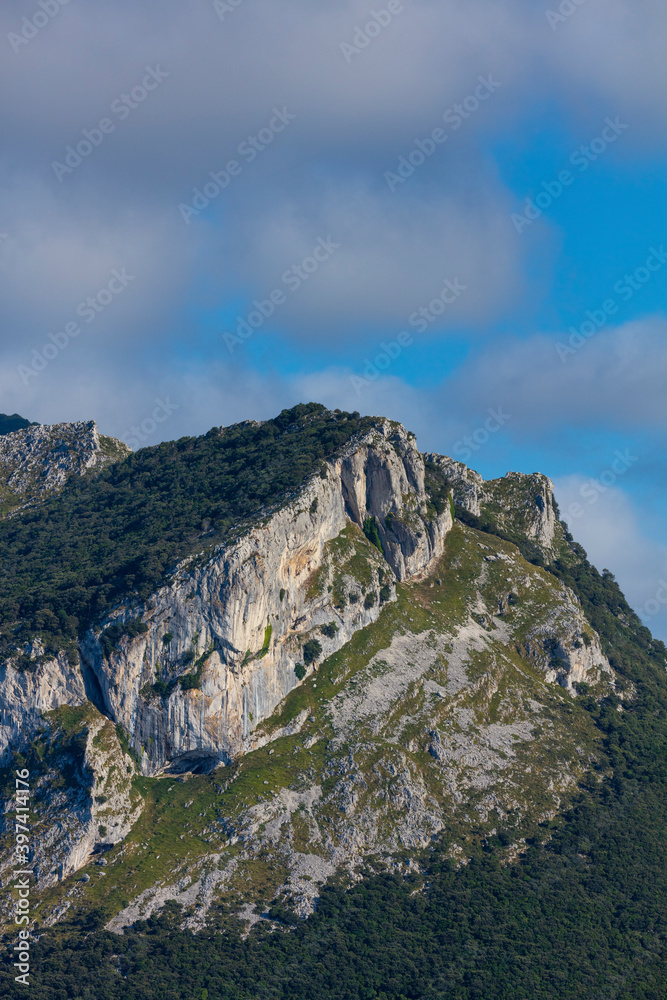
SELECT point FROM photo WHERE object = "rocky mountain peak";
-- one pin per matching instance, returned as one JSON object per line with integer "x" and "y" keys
{"x": 518, "y": 503}
{"x": 36, "y": 461}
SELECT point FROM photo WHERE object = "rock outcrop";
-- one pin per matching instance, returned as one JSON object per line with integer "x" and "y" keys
{"x": 523, "y": 504}
{"x": 26, "y": 695}
{"x": 37, "y": 461}
{"x": 83, "y": 801}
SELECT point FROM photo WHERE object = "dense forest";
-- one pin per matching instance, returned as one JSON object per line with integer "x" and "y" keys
{"x": 118, "y": 532}
{"x": 582, "y": 912}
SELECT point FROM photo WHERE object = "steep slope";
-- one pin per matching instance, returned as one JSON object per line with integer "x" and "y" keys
{"x": 83, "y": 801}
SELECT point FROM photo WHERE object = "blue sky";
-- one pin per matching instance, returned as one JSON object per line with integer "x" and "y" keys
{"x": 312, "y": 211}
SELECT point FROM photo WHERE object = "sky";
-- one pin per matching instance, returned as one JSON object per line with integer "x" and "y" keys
{"x": 446, "y": 212}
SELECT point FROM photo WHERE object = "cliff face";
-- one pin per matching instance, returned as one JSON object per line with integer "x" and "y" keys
{"x": 26, "y": 695}
{"x": 236, "y": 625}
{"x": 82, "y": 799}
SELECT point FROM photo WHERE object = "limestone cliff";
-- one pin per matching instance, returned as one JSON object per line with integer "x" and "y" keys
{"x": 82, "y": 800}
{"x": 223, "y": 637}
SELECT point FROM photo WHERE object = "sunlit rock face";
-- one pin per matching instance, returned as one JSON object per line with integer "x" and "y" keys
{"x": 237, "y": 621}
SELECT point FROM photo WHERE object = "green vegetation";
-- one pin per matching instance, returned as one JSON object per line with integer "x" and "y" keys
{"x": 312, "y": 651}
{"x": 114, "y": 633}
{"x": 300, "y": 671}
{"x": 371, "y": 532}
{"x": 192, "y": 680}
{"x": 330, "y": 630}
{"x": 438, "y": 490}
{"x": 118, "y": 533}
{"x": 266, "y": 645}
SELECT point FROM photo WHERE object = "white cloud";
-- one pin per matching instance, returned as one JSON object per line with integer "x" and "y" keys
{"x": 615, "y": 380}
{"x": 394, "y": 256}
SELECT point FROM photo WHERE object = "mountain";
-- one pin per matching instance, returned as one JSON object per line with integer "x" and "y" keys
{"x": 260, "y": 676}
{"x": 36, "y": 460}
{"x": 13, "y": 423}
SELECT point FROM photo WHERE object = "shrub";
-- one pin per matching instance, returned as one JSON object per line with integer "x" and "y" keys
{"x": 163, "y": 689}
{"x": 114, "y": 633}
{"x": 167, "y": 637}
{"x": 437, "y": 489}
{"x": 329, "y": 630}
{"x": 314, "y": 505}
{"x": 385, "y": 593}
{"x": 369, "y": 600}
{"x": 300, "y": 671}
{"x": 371, "y": 532}
{"x": 312, "y": 651}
